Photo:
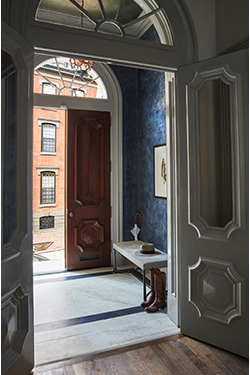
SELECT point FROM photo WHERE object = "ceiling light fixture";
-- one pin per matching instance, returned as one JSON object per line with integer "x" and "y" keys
{"x": 82, "y": 66}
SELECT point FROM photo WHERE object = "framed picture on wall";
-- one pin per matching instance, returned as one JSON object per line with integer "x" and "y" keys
{"x": 160, "y": 171}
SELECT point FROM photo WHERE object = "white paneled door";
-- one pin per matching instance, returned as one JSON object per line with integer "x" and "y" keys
{"x": 213, "y": 200}
{"x": 16, "y": 190}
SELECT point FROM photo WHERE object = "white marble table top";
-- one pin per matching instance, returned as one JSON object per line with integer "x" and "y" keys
{"x": 131, "y": 251}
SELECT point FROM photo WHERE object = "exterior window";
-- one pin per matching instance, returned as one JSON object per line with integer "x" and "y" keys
{"x": 48, "y": 138}
{"x": 78, "y": 93}
{"x": 49, "y": 89}
{"x": 47, "y": 187}
{"x": 47, "y": 222}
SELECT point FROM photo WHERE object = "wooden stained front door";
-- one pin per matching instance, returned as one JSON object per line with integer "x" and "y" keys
{"x": 88, "y": 190}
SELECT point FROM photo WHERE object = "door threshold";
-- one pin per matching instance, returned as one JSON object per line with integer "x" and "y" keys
{"x": 49, "y": 272}
{"x": 54, "y": 365}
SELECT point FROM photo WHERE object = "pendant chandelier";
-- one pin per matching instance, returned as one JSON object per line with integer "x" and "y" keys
{"x": 81, "y": 66}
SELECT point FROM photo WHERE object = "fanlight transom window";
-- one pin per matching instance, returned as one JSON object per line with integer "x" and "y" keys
{"x": 61, "y": 76}
{"x": 127, "y": 18}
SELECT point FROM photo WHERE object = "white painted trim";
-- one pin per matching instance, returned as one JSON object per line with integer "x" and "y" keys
{"x": 172, "y": 193}
{"x": 47, "y": 153}
{"x": 73, "y": 102}
{"x": 47, "y": 169}
{"x": 41, "y": 81}
{"x": 42, "y": 121}
{"x": 47, "y": 205}
{"x": 115, "y": 98}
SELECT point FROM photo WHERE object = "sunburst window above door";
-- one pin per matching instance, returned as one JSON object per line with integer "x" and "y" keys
{"x": 126, "y": 18}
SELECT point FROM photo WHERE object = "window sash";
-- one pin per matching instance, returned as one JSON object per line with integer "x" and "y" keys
{"x": 48, "y": 138}
{"x": 78, "y": 93}
{"x": 47, "y": 187}
{"x": 47, "y": 88}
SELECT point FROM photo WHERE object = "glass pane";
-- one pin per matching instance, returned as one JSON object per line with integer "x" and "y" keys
{"x": 49, "y": 145}
{"x": 79, "y": 93}
{"x": 48, "y": 195}
{"x": 48, "y": 139}
{"x": 215, "y": 153}
{"x": 151, "y": 35}
{"x": 8, "y": 134}
{"x": 108, "y": 16}
{"x": 49, "y": 89}
{"x": 48, "y": 180}
{"x": 49, "y": 131}
{"x": 48, "y": 187}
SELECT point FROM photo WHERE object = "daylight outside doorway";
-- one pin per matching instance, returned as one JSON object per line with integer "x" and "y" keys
{"x": 65, "y": 77}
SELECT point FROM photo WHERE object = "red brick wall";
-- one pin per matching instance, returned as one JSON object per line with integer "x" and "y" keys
{"x": 49, "y": 161}
{"x": 90, "y": 91}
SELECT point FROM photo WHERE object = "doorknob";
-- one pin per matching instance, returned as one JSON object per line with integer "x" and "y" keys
{"x": 71, "y": 214}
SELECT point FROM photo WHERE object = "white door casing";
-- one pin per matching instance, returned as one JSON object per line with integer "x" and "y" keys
{"x": 172, "y": 190}
{"x": 213, "y": 201}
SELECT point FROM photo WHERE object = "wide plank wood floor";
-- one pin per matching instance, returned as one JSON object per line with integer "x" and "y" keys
{"x": 171, "y": 355}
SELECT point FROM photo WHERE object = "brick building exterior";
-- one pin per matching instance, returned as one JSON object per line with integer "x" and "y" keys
{"x": 49, "y": 157}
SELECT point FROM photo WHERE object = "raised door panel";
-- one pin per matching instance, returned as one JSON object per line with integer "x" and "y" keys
{"x": 90, "y": 166}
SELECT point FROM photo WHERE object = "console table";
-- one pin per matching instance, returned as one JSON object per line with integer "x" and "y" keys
{"x": 131, "y": 251}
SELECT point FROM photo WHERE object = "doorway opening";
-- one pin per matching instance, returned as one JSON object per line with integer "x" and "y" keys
{"x": 98, "y": 299}
{"x": 62, "y": 77}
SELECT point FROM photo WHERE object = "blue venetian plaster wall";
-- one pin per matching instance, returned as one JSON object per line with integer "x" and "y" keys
{"x": 151, "y": 131}
{"x": 128, "y": 81}
{"x": 144, "y": 126}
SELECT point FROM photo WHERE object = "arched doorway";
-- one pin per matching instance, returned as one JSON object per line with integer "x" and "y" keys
{"x": 112, "y": 103}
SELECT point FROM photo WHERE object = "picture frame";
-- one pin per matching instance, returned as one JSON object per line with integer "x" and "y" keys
{"x": 160, "y": 171}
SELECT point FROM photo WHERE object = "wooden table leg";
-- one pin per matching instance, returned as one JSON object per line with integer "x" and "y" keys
{"x": 114, "y": 261}
{"x": 144, "y": 286}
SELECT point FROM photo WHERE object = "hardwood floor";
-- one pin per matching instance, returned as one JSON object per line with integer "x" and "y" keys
{"x": 171, "y": 355}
